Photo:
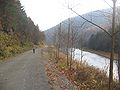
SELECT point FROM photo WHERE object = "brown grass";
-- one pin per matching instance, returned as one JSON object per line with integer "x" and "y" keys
{"x": 81, "y": 74}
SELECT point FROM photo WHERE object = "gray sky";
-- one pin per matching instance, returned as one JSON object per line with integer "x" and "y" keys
{"x": 48, "y": 13}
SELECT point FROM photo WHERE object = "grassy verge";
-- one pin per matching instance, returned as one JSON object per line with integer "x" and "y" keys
{"x": 85, "y": 77}
{"x": 12, "y": 51}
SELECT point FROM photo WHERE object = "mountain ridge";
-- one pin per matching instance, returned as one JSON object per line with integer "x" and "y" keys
{"x": 99, "y": 17}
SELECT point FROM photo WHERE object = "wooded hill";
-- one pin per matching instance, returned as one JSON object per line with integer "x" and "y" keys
{"x": 17, "y": 31}
{"x": 86, "y": 33}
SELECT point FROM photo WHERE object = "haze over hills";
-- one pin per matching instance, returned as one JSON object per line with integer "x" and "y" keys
{"x": 99, "y": 17}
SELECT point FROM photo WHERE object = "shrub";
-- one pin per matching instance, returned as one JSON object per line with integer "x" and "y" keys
{"x": 10, "y": 45}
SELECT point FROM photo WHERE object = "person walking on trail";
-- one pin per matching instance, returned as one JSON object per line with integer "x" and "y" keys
{"x": 34, "y": 50}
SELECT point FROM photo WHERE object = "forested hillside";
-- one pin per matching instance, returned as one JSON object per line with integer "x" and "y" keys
{"x": 86, "y": 33}
{"x": 102, "y": 41}
{"x": 17, "y": 31}
{"x": 80, "y": 26}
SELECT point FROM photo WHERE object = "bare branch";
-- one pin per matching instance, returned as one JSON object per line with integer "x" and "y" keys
{"x": 91, "y": 22}
{"x": 83, "y": 23}
{"x": 108, "y": 4}
{"x": 118, "y": 31}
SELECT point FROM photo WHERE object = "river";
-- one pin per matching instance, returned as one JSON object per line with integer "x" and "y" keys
{"x": 96, "y": 61}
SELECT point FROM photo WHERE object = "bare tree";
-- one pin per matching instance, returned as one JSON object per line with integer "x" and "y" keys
{"x": 118, "y": 40}
{"x": 112, "y": 39}
{"x": 57, "y": 42}
{"x": 74, "y": 37}
{"x": 68, "y": 41}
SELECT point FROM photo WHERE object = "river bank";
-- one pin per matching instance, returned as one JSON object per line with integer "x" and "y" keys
{"x": 97, "y": 61}
{"x": 101, "y": 53}
{"x": 84, "y": 76}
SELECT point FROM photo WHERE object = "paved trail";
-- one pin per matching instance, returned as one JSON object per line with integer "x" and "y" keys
{"x": 24, "y": 72}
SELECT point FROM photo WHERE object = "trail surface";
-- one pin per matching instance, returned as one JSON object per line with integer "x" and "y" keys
{"x": 24, "y": 72}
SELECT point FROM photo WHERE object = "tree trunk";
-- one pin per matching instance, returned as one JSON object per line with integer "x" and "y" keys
{"x": 113, "y": 47}
{"x": 68, "y": 42}
{"x": 119, "y": 64}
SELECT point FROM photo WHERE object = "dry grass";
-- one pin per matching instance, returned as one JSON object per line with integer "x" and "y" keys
{"x": 81, "y": 74}
{"x": 56, "y": 77}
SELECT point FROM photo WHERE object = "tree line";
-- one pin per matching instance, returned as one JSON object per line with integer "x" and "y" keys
{"x": 17, "y": 31}
{"x": 13, "y": 19}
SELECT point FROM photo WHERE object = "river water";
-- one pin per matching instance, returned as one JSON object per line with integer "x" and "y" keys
{"x": 96, "y": 61}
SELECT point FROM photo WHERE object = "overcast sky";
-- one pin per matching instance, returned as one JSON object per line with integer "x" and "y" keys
{"x": 48, "y": 13}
